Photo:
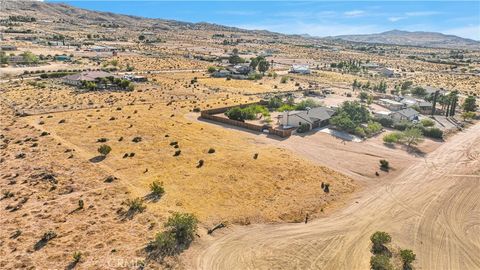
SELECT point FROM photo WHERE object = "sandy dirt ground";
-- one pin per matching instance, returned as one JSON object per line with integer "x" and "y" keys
{"x": 432, "y": 207}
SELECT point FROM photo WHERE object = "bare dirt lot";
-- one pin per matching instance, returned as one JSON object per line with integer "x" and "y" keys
{"x": 431, "y": 207}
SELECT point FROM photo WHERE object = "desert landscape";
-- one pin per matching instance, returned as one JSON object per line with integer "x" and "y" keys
{"x": 139, "y": 143}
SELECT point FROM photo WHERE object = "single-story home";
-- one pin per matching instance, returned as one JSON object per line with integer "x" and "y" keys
{"x": 391, "y": 104}
{"x": 223, "y": 73}
{"x": 64, "y": 58}
{"x": 103, "y": 49}
{"x": 405, "y": 114}
{"x": 315, "y": 117}
{"x": 300, "y": 69}
{"x": 87, "y": 76}
{"x": 135, "y": 78}
{"x": 386, "y": 72}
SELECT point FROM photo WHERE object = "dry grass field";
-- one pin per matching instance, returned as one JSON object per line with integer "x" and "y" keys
{"x": 55, "y": 185}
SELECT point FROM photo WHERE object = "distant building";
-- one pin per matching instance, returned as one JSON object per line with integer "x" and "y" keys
{"x": 370, "y": 65}
{"x": 391, "y": 104}
{"x": 103, "y": 49}
{"x": 87, "y": 76}
{"x": 386, "y": 72}
{"x": 135, "y": 78}
{"x": 300, "y": 69}
{"x": 63, "y": 58}
{"x": 8, "y": 48}
{"x": 221, "y": 73}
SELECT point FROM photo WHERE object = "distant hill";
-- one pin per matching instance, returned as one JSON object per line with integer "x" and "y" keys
{"x": 79, "y": 17}
{"x": 418, "y": 38}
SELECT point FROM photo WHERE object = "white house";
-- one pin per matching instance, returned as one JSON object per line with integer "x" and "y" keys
{"x": 405, "y": 114}
{"x": 391, "y": 104}
{"x": 300, "y": 69}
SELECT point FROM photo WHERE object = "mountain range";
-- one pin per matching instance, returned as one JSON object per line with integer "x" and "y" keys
{"x": 81, "y": 16}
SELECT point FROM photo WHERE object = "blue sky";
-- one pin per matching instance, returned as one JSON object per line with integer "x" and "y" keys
{"x": 317, "y": 18}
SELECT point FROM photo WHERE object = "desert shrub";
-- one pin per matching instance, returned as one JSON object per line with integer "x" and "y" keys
{"x": 77, "y": 256}
{"x": 380, "y": 262}
{"x": 433, "y": 132}
{"x": 307, "y": 103}
{"x": 104, "y": 149}
{"x": 137, "y": 139}
{"x": 177, "y": 153}
{"x": 326, "y": 187}
{"x": 303, "y": 128}
{"x": 386, "y": 122}
{"x": 211, "y": 151}
{"x": 275, "y": 102}
{"x": 102, "y": 140}
{"x": 184, "y": 226}
{"x": 156, "y": 189}
{"x": 427, "y": 122}
{"x": 359, "y": 131}
{"x": 373, "y": 128}
{"x": 384, "y": 165}
{"x": 286, "y": 107}
{"x": 284, "y": 80}
{"x": 45, "y": 239}
{"x": 165, "y": 243}
{"x": 393, "y": 137}
{"x": 135, "y": 205}
{"x": 402, "y": 125}
{"x": 200, "y": 163}
{"x": 211, "y": 69}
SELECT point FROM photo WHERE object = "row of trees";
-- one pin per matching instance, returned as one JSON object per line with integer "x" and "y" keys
{"x": 380, "y": 87}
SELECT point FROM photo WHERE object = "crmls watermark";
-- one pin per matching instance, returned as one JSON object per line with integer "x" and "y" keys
{"x": 126, "y": 263}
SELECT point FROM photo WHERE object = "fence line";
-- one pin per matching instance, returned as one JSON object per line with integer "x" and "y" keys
{"x": 210, "y": 115}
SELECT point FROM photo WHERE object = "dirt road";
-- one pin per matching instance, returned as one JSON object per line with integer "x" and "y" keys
{"x": 433, "y": 207}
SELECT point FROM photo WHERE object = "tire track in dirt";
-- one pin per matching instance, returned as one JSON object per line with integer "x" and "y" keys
{"x": 432, "y": 207}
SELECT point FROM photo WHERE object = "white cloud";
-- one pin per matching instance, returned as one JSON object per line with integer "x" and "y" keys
{"x": 396, "y": 19}
{"x": 354, "y": 13}
{"x": 314, "y": 29}
{"x": 422, "y": 13}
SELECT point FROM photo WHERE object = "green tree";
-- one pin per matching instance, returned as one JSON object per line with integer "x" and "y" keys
{"x": 235, "y": 59}
{"x": 254, "y": 63}
{"x": 363, "y": 96}
{"x": 469, "y": 105}
{"x": 141, "y": 37}
{"x": 211, "y": 69}
{"x": 29, "y": 57}
{"x": 408, "y": 257}
{"x": 412, "y": 136}
{"x": 380, "y": 262}
{"x": 419, "y": 91}
{"x": 468, "y": 115}
{"x": 263, "y": 65}
{"x": 379, "y": 239}
{"x": 343, "y": 121}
